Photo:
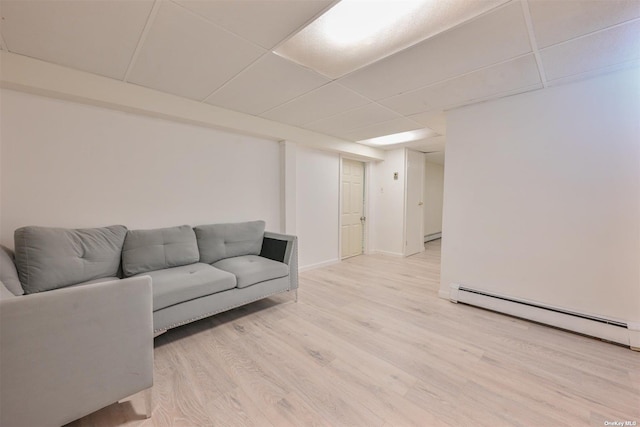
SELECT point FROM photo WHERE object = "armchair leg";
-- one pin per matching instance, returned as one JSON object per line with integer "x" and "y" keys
{"x": 148, "y": 401}
{"x": 296, "y": 294}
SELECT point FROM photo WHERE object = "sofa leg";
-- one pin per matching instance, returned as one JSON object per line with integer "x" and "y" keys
{"x": 296, "y": 294}
{"x": 148, "y": 402}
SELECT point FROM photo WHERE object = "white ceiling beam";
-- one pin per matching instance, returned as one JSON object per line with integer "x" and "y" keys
{"x": 533, "y": 41}
{"x": 143, "y": 37}
{"x": 26, "y": 74}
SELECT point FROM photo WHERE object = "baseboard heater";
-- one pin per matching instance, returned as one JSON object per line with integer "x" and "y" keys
{"x": 608, "y": 329}
{"x": 433, "y": 236}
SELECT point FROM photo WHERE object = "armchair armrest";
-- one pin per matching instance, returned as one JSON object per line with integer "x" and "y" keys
{"x": 282, "y": 248}
{"x": 69, "y": 352}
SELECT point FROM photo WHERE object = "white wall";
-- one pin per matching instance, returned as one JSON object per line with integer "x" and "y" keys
{"x": 387, "y": 204}
{"x": 433, "y": 193}
{"x": 73, "y": 165}
{"x": 317, "y": 201}
{"x": 542, "y": 196}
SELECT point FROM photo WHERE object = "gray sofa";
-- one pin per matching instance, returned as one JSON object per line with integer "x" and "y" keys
{"x": 195, "y": 272}
{"x": 85, "y": 304}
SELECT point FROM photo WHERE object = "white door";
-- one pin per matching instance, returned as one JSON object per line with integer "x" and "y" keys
{"x": 352, "y": 216}
{"x": 414, "y": 215}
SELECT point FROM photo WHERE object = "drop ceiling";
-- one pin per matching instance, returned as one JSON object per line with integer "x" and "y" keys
{"x": 220, "y": 53}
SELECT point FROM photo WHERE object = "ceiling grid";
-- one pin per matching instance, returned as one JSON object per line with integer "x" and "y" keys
{"x": 533, "y": 41}
{"x": 3, "y": 45}
{"x": 221, "y": 54}
{"x": 143, "y": 37}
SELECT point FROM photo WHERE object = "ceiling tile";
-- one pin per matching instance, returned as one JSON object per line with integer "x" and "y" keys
{"x": 353, "y": 119}
{"x": 381, "y": 129}
{"x": 479, "y": 85}
{"x": 265, "y": 23}
{"x": 267, "y": 83}
{"x": 592, "y": 52}
{"x": 187, "y": 56}
{"x": 557, "y": 21}
{"x": 322, "y": 102}
{"x": 494, "y": 37}
{"x": 436, "y": 120}
{"x": 76, "y": 34}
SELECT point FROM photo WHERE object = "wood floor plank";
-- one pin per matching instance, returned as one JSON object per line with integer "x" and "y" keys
{"x": 370, "y": 344}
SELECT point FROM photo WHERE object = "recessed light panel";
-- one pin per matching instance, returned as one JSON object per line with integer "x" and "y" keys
{"x": 355, "y": 33}
{"x": 399, "y": 138}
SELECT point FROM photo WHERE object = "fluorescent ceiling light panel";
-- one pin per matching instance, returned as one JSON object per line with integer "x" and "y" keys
{"x": 355, "y": 33}
{"x": 398, "y": 138}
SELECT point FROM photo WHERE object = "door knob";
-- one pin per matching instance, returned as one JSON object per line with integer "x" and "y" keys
{"x": 363, "y": 218}
{"x": 420, "y": 204}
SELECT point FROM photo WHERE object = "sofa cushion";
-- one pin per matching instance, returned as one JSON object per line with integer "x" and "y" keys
{"x": 8, "y": 272}
{"x": 94, "y": 281}
{"x": 252, "y": 269}
{"x": 148, "y": 250}
{"x": 49, "y": 258}
{"x": 4, "y": 292}
{"x": 219, "y": 241}
{"x": 179, "y": 284}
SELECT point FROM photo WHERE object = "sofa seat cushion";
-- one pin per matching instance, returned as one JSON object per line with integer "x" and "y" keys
{"x": 93, "y": 282}
{"x": 179, "y": 284}
{"x": 252, "y": 269}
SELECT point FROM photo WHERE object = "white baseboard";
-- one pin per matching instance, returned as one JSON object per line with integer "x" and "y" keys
{"x": 318, "y": 265}
{"x": 432, "y": 236}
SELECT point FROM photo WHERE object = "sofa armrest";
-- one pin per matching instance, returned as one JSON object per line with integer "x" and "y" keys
{"x": 69, "y": 352}
{"x": 282, "y": 248}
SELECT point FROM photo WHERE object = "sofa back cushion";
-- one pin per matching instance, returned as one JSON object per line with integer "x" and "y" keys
{"x": 8, "y": 272}
{"x": 50, "y": 258}
{"x": 220, "y": 241}
{"x": 4, "y": 292}
{"x": 149, "y": 250}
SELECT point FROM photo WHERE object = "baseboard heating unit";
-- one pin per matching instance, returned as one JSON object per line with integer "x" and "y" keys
{"x": 434, "y": 236}
{"x": 596, "y": 326}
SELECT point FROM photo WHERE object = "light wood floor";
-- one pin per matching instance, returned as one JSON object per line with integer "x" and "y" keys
{"x": 370, "y": 344}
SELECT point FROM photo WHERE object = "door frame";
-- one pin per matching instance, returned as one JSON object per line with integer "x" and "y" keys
{"x": 365, "y": 209}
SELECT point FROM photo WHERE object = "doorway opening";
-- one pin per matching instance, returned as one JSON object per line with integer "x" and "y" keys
{"x": 433, "y": 195}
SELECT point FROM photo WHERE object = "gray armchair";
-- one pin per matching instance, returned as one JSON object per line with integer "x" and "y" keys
{"x": 69, "y": 352}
